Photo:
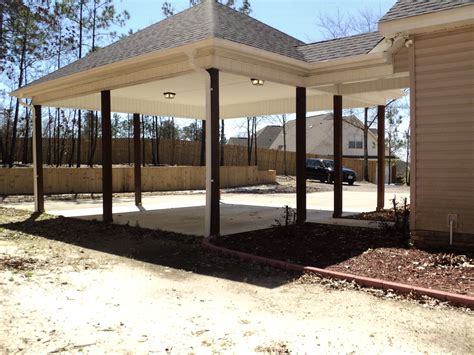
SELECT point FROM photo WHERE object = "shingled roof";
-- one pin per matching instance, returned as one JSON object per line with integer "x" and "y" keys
{"x": 410, "y": 8}
{"x": 340, "y": 47}
{"x": 208, "y": 19}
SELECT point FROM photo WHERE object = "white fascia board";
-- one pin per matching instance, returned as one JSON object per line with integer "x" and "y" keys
{"x": 434, "y": 21}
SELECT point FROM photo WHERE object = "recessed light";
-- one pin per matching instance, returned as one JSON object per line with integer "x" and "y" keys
{"x": 169, "y": 95}
{"x": 257, "y": 82}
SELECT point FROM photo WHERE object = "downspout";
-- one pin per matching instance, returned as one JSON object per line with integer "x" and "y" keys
{"x": 207, "y": 79}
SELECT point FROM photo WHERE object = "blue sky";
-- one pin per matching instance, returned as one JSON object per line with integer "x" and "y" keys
{"x": 295, "y": 17}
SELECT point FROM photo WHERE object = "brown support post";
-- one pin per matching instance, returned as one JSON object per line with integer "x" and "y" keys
{"x": 137, "y": 159}
{"x": 213, "y": 164}
{"x": 106, "y": 157}
{"x": 337, "y": 156}
{"x": 300, "y": 155}
{"x": 38, "y": 160}
{"x": 380, "y": 157}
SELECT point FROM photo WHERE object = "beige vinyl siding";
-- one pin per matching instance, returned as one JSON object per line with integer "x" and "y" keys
{"x": 444, "y": 123}
{"x": 400, "y": 61}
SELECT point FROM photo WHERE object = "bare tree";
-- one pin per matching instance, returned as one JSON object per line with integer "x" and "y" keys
{"x": 343, "y": 25}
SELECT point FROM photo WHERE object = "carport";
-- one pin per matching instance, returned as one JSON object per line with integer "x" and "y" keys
{"x": 211, "y": 63}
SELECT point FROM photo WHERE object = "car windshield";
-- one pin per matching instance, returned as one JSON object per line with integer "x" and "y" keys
{"x": 329, "y": 163}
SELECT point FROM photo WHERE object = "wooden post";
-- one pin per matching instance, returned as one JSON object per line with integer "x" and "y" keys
{"x": 337, "y": 156}
{"x": 300, "y": 155}
{"x": 212, "y": 154}
{"x": 106, "y": 157}
{"x": 137, "y": 159}
{"x": 380, "y": 157}
{"x": 38, "y": 160}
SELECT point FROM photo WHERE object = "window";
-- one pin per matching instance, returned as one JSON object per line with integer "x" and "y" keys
{"x": 355, "y": 142}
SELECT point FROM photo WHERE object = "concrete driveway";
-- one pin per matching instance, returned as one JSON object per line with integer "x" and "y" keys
{"x": 183, "y": 212}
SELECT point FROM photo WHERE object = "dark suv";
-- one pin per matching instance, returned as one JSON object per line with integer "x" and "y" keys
{"x": 323, "y": 170}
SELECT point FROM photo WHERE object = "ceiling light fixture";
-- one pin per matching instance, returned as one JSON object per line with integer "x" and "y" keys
{"x": 169, "y": 95}
{"x": 257, "y": 82}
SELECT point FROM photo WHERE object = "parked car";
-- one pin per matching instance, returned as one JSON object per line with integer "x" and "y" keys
{"x": 323, "y": 170}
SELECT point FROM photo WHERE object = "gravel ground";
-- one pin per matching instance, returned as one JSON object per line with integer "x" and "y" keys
{"x": 70, "y": 286}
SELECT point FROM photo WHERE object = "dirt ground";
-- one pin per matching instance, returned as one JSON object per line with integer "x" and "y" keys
{"x": 77, "y": 286}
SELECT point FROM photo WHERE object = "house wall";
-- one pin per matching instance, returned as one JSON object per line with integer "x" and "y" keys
{"x": 319, "y": 137}
{"x": 442, "y": 85}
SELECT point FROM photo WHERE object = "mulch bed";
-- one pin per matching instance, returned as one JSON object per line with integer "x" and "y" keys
{"x": 386, "y": 215}
{"x": 374, "y": 253}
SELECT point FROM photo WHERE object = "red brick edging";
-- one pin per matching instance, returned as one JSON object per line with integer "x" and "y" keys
{"x": 453, "y": 298}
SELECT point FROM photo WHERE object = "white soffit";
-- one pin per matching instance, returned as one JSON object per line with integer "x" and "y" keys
{"x": 238, "y": 98}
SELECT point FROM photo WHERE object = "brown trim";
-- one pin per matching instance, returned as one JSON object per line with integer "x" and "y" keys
{"x": 381, "y": 157}
{"x": 38, "y": 161}
{"x": 337, "y": 156}
{"x": 213, "y": 125}
{"x": 106, "y": 156}
{"x": 137, "y": 159}
{"x": 301, "y": 155}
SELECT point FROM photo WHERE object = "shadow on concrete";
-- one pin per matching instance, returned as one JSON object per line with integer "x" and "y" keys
{"x": 169, "y": 249}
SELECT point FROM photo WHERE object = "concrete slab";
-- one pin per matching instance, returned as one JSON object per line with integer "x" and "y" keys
{"x": 184, "y": 213}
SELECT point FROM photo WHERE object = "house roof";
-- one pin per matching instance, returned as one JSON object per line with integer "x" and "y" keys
{"x": 209, "y": 19}
{"x": 340, "y": 47}
{"x": 237, "y": 141}
{"x": 409, "y": 8}
{"x": 267, "y": 135}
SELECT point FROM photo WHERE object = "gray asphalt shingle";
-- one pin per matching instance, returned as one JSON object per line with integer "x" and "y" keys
{"x": 409, "y": 8}
{"x": 340, "y": 47}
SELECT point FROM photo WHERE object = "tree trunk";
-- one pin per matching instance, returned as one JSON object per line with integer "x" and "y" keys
{"x": 173, "y": 142}
{"x": 73, "y": 141}
{"x": 284, "y": 147}
{"x": 249, "y": 142}
{"x": 143, "y": 141}
{"x": 153, "y": 152}
{"x": 129, "y": 127}
{"x": 203, "y": 144}
{"x": 79, "y": 113}
{"x": 157, "y": 138}
{"x": 222, "y": 142}
{"x": 20, "y": 83}
{"x": 58, "y": 132}
{"x": 50, "y": 136}
{"x": 255, "y": 139}
{"x": 26, "y": 138}
{"x": 366, "y": 146}
{"x": 407, "y": 177}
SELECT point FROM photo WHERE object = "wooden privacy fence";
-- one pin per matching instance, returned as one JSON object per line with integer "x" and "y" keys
{"x": 16, "y": 181}
{"x": 189, "y": 154}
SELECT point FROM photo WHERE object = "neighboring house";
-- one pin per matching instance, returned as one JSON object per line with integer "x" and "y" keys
{"x": 243, "y": 141}
{"x": 267, "y": 135}
{"x": 319, "y": 137}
